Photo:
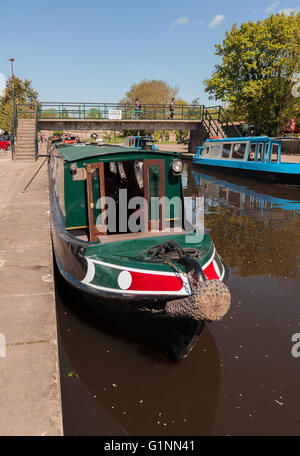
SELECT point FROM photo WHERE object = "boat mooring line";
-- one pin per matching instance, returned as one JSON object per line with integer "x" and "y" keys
{"x": 25, "y": 188}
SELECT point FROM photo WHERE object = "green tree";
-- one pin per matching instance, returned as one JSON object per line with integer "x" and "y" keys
{"x": 194, "y": 111}
{"x": 51, "y": 113}
{"x": 58, "y": 132}
{"x": 64, "y": 114}
{"x": 151, "y": 92}
{"x": 24, "y": 94}
{"x": 93, "y": 113}
{"x": 255, "y": 75}
{"x": 181, "y": 134}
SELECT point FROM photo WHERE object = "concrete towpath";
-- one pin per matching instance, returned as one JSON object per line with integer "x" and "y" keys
{"x": 30, "y": 400}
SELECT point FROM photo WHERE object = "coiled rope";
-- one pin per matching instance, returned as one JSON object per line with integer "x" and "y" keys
{"x": 169, "y": 250}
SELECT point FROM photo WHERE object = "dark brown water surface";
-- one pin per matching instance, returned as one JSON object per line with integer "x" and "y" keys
{"x": 241, "y": 378}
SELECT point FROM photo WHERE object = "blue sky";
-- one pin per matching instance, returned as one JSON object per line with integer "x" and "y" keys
{"x": 93, "y": 50}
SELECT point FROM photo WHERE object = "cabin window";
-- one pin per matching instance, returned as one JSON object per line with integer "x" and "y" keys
{"x": 226, "y": 150}
{"x": 290, "y": 151}
{"x": 238, "y": 151}
{"x": 252, "y": 152}
{"x": 260, "y": 152}
{"x": 275, "y": 152}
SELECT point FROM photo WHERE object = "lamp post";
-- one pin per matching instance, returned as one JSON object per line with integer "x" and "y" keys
{"x": 14, "y": 106}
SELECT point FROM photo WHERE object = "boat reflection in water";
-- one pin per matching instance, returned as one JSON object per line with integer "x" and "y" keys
{"x": 112, "y": 385}
{"x": 258, "y": 223}
{"x": 241, "y": 193}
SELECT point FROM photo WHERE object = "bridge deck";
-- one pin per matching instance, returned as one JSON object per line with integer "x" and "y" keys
{"x": 120, "y": 124}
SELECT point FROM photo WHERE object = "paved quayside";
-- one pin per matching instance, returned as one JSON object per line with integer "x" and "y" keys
{"x": 30, "y": 400}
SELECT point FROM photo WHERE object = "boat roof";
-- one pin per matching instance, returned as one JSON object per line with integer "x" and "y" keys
{"x": 77, "y": 152}
{"x": 242, "y": 138}
{"x": 142, "y": 137}
{"x": 253, "y": 138}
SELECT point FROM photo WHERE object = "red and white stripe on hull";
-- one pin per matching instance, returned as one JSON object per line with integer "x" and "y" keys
{"x": 145, "y": 281}
{"x": 149, "y": 282}
{"x": 140, "y": 281}
{"x": 212, "y": 270}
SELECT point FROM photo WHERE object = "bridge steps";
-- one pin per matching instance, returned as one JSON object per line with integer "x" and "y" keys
{"x": 214, "y": 129}
{"x": 25, "y": 143}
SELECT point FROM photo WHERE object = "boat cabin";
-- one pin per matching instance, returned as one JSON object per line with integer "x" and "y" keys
{"x": 140, "y": 142}
{"x": 105, "y": 193}
{"x": 261, "y": 149}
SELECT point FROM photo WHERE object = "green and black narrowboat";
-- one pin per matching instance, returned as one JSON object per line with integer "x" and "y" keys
{"x": 120, "y": 244}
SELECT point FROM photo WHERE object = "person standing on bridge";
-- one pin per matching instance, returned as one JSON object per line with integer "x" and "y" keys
{"x": 137, "y": 108}
{"x": 172, "y": 108}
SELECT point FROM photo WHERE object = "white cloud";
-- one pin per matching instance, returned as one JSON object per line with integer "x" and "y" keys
{"x": 180, "y": 21}
{"x": 217, "y": 20}
{"x": 288, "y": 11}
{"x": 272, "y": 7}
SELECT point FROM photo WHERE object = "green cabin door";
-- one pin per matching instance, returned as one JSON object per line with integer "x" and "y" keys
{"x": 154, "y": 193}
{"x": 95, "y": 189}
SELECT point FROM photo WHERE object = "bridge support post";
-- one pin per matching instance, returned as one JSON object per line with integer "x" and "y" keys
{"x": 197, "y": 137}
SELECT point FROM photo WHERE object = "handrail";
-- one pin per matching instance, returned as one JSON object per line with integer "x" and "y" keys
{"x": 72, "y": 110}
{"x": 36, "y": 149}
{"x": 212, "y": 124}
{"x": 14, "y": 131}
{"x": 230, "y": 121}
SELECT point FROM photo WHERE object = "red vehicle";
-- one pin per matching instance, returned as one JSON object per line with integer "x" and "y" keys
{"x": 4, "y": 144}
{"x": 66, "y": 139}
{"x": 70, "y": 139}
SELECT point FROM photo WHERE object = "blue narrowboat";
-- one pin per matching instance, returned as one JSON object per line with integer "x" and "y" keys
{"x": 273, "y": 159}
{"x": 141, "y": 142}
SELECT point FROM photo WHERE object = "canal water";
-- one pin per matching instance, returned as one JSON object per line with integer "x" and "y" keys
{"x": 241, "y": 378}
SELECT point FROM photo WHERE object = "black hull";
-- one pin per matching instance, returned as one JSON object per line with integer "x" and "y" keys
{"x": 174, "y": 336}
{"x": 265, "y": 176}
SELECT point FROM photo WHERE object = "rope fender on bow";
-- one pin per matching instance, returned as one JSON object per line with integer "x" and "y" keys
{"x": 210, "y": 299}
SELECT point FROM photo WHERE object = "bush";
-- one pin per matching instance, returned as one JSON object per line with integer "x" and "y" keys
{"x": 58, "y": 132}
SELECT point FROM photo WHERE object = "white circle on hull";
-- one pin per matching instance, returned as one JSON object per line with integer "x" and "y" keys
{"x": 124, "y": 280}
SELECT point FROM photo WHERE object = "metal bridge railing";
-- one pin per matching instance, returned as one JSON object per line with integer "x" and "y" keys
{"x": 104, "y": 111}
{"x": 221, "y": 117}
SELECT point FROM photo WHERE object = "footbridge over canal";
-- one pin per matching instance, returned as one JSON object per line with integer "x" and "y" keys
{"x": 201, "y": 121}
